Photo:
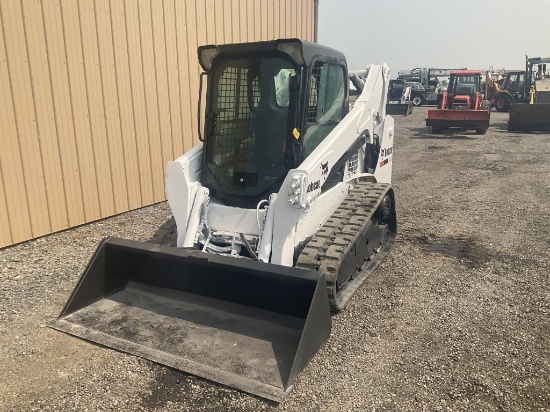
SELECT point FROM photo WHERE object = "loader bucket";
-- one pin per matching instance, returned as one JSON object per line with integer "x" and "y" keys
{"x": 526, "y": 117}
{"x": 468, "y": 119}
{"x": 249, "y": 325}
{"x": 402, "y": 109}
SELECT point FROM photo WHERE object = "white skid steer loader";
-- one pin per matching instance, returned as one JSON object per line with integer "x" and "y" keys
{"x": 282, "y": 211}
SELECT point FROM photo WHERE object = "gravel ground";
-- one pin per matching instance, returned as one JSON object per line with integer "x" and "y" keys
{"x": 456, "y": 318}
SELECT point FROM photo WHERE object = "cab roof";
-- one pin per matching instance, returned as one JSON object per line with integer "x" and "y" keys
{"x": 539, "y": 60}
{"x": 466, "y": 72}
{"x": 302, "y": 53}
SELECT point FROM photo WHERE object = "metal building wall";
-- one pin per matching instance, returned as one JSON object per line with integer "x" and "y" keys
{"x": 97, "y": 95}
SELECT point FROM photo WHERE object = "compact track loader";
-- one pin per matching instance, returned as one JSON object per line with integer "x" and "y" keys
{"x": 282, "y": 210}
{"x": 399, "y": 98}
{"x": 462, "y": 104}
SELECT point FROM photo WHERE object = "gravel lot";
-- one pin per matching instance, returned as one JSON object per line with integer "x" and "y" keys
{"x": 456, "y": 318}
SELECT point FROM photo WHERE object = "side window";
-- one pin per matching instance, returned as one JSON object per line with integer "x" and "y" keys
{"x": 325, "y": 103}
{"x": 521, "y": 79}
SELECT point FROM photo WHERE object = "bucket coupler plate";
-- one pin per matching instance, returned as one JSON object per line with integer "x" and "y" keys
{"x": 249, "y": 325}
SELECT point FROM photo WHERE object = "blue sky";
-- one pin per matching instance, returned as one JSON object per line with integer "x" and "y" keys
{"x": 406, "y": 34}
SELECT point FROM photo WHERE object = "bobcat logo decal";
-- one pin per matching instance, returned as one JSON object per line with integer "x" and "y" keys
{"x": 324, "y": 169}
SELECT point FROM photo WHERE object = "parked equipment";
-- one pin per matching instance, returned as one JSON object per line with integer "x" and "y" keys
{"x": 399, "y": 98}
{"x": 427, "y": 84}
{"x": 462, "y": 105}
{"x": 532, "y": 112}
{"x": 286, "y": 198}
{"x": 508, "y": 92}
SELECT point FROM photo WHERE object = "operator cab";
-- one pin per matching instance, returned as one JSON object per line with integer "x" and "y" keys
{"x": 396, "y": 89}
{"x": 464, "y": 89}
{"x": 514, "y": 81}
{"x": 268, "y": 106}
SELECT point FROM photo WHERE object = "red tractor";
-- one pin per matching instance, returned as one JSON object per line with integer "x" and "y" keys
{"x": 462, "y": 104}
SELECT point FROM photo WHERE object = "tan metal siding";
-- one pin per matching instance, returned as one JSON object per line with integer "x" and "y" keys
{"x": 139, "y": 113}
{"x": 61, "y": 104}
{"x": 15, "y": 218}
{"x": 78, "y": 90}
{"x": 185, "y": 29}
{"x": 243, "y": 21}
{"x": 125, "y": 104}
{"x": 27, "y": 134}
{"x": 97, "y": 95}
{"x": 109, "y": 95}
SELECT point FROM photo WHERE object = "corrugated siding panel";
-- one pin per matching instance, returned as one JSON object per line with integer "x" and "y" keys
{"x": 5, "y": 230}
{"x": 184, "y": 27}
{"x": 230, "y": 26}
{"x": 276, "y": 19}
{"x": 243, "y": 20}
{"x": 197, "y": 34}
{"x": 172, "y": 74}
{"x": 98, "y": 95}
{"x": 125, "y": 104}
{"x": 112, "y": 135}
{"x": 151, "y": 100}
{"x": 309, "y": 19}
{"x": 95, "y": 107}
{"x": 44, "y": 114}
{"x": 163, "y": 92}
{"x": 11, "y": 169}
{"x": 28, "y": 141}
{"x": 250, "y": 19}
{"x": 235, "y": 21}
{"x": 137, "y": 89}
{"x": 56, "y": 54}
{"x": 78, "y": 94}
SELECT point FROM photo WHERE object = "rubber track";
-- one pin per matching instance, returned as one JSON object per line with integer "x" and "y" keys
{"x": 328, "y": 248}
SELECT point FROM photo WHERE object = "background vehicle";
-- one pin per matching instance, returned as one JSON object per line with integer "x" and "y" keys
{"x": 510, "y": 90}
{"x": 418, "y": 93}
{"x": 532, "y": 112}
{"x": 461, "y": 105}
{"x": 430, "y": 79}
{"x": 399, "y": 98}
{"x": 282, "y": 211}
{"x": 442, "y": 86}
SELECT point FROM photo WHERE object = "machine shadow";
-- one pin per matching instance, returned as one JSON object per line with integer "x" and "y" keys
{"x": 455, "y": 134}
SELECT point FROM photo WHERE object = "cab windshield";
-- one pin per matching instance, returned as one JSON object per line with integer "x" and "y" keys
{"x": 249, "y": 106}
{"x": 465, "y": 84}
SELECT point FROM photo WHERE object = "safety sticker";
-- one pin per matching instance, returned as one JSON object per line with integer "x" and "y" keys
{"x": 296, "y": 134}
{"x": 385, "y": 161}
